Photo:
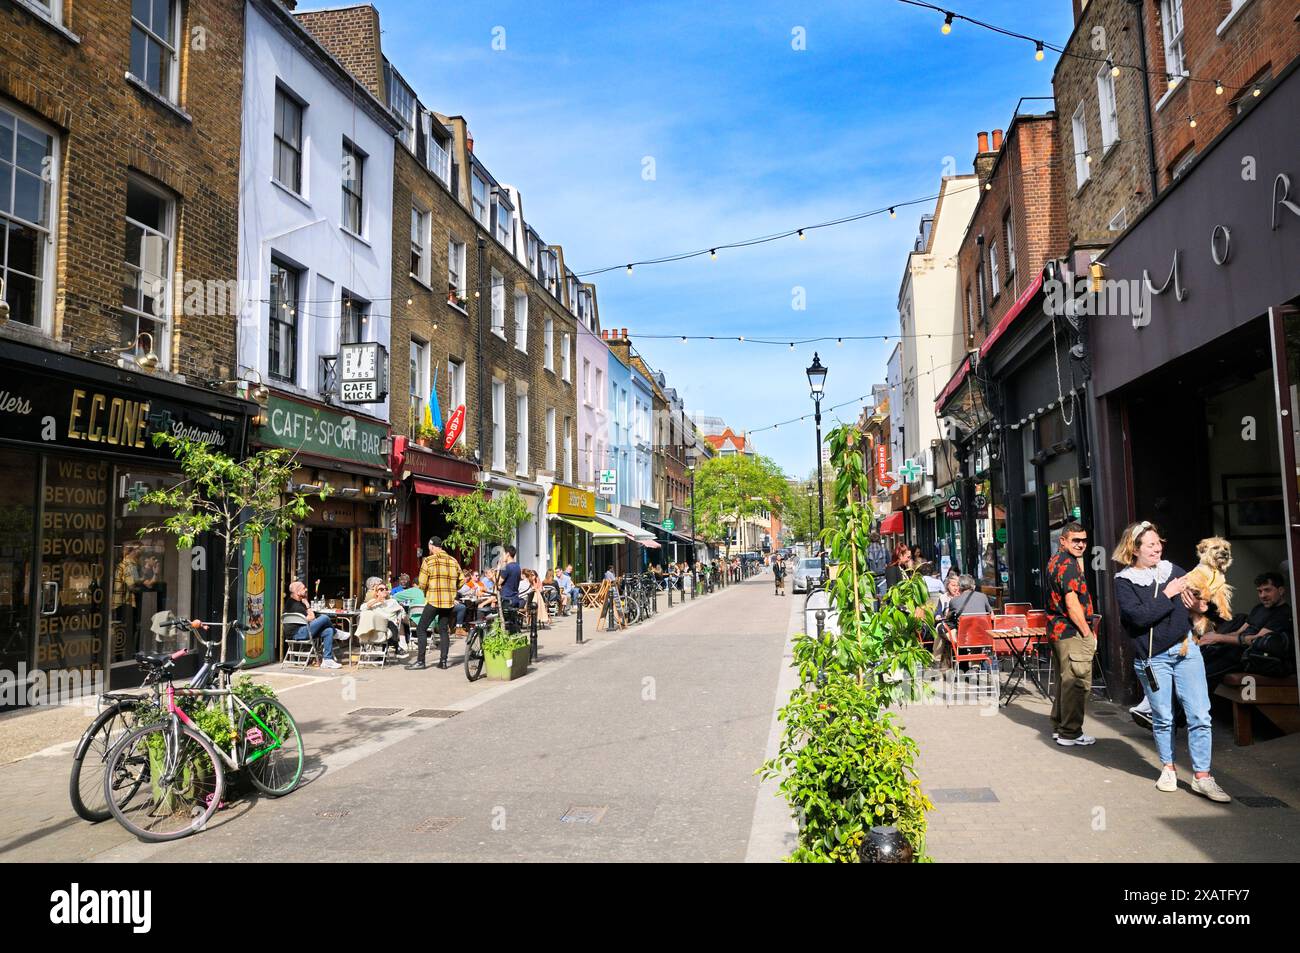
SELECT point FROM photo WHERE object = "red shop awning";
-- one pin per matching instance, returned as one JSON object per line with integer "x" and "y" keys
{"x": 434, "y": 488}
{"x": 892, "y": 524}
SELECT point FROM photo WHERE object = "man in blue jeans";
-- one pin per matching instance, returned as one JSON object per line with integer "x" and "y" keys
{"x": 321, "y": 626}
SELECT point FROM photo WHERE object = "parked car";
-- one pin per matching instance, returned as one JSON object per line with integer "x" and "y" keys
{"x": 807, "y": 574}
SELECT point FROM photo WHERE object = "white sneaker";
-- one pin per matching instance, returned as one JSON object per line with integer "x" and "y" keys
{"x": 1071, "y": 742}
{"x": 1168, "y": 779}
{"x": 1208, "y": 787}
{"x": 330, "y": 663}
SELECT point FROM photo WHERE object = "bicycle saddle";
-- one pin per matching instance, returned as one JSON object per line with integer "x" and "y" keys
{"x": 159, "y": 661}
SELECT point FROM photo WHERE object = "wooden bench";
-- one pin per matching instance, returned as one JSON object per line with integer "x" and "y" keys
{"x": 1275, "y": 698}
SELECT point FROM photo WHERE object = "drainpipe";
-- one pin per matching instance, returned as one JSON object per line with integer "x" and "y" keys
{"x": 478, "y": 451}
{"x": 1146, "y": 97}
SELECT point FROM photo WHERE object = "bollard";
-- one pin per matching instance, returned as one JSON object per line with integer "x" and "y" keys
{"x": 532, "y": 636}
{"x": 695, "y": 582}
{"x": 578, "y": 626}
{"x": 670, "y": 594}
{"x": 820, "y": 616}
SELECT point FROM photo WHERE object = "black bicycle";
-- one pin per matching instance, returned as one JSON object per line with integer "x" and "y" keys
{"x": 122, "y": 713}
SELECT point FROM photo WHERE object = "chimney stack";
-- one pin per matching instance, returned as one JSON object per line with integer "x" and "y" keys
{"x": 997, "y": 140}
{"x": 985, "y": 158}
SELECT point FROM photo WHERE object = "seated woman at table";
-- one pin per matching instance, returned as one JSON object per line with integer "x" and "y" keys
{"x": 379, "y": 600}
{"x": 469, "y": 593}
{"x": 532, "y": 583}
{"x": 488, "y": 597}
{"x": 317, "y": 625}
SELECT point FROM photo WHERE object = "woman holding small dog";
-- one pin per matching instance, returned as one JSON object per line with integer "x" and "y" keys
{"x": 1154, "y": 603}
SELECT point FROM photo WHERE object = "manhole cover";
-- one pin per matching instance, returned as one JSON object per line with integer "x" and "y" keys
{"x": 1258, "y": 801}
{"x": 333, "y": 814}
{"x": 436, "y": 825}
{"x": 963, "y": 796}
{"x": 375, "y": 711}
{"x": 584, "y": 815}
{"x": 434, "y": 713}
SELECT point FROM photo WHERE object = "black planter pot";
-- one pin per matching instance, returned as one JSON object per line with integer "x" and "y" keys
{"x": 885, "y": 845}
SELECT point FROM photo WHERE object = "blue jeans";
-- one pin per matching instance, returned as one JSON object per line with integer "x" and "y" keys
{"x": 1183, "y": 675}
{"x": 323, "y": 626}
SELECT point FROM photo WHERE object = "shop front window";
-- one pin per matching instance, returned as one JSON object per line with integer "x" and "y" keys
{"x": 148, "y": 586}
{"x": 17, "y": 557}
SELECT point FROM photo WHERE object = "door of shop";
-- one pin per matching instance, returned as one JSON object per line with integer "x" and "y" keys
{"x": 1284, "y": 328}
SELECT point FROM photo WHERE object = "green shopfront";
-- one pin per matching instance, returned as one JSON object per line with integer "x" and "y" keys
{"x": 347, "y": 537}
{"x": 83, "y": 584}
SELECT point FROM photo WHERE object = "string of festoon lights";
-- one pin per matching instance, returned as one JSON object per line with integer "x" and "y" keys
{"x": 1171, "y": 79}
{"x": 861, "y": 401}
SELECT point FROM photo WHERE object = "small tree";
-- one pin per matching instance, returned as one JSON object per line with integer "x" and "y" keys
{"x": 233, "y": 500}
{"x": 477, "y": 518}
{"x": 729, "y": 490}
{"x": 844, "y": 763}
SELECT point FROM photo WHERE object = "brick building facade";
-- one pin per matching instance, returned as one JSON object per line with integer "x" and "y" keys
{"x": 119, "y": 165}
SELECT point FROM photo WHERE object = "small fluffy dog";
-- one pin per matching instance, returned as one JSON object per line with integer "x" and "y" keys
{"x": 1210, "y": 582}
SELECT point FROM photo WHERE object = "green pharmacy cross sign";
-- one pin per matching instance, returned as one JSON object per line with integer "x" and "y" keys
{"x": 669, "y": 525}
{"x": 910, "y": 471}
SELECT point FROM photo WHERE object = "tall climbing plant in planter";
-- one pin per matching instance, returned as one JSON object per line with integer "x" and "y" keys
{"x": 844, "y": 763}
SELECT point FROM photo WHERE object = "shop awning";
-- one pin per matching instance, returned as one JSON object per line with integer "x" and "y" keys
{"x": 600, "y": 533}
{"x": 628, "y": 529}
{"x": 892, "y": 524}
{"x": 434, "y": 488}
{"x": 648, "y": 543}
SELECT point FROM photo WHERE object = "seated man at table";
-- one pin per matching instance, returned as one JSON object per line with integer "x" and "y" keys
{"x": 403, "y": 583}
{"x": 569, "y": 590}
{"x": 317, "y": 625}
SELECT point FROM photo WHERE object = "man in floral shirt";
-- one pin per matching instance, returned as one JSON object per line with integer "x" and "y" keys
{"x": 1069, "y": 611}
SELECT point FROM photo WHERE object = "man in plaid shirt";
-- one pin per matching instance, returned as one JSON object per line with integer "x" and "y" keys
{"x": 440, "y": 577}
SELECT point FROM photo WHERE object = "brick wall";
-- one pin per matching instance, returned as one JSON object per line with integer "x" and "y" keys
{"x": 1025, "y": 182}
{"x": 1258, "y": 44}
{"x": 1118, "y": 178}
{"x": 108, "y": 127}
{"x": 351, "y": 35}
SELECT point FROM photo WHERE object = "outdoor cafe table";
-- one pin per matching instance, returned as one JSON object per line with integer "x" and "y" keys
{"x": 590, "y": 594}
{"x": 350, "y": 618}
{"x": 1021, "y": 643}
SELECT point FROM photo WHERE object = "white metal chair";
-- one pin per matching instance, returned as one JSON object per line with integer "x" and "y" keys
{"x": 371, "y": 646}
{"x": 298, "y": 651}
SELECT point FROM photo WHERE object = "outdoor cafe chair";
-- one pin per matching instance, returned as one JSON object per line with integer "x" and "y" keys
{"x": 973, "y": 644}
{"x": 297, "y": 651}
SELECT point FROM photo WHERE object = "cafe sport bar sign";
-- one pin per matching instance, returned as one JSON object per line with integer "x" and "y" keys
{"x": 317, "y": 430}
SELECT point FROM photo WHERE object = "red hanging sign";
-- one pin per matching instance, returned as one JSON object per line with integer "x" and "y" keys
{"x": 454, "y": 427}
{"x": 882, "y": 466}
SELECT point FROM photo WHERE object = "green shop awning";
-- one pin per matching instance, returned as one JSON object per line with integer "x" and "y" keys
{"x": 600, "y": 533}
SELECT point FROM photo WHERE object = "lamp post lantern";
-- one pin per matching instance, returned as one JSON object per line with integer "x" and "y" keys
{"x": 817, "y": 385}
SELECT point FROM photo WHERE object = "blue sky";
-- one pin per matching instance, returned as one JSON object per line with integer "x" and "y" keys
{"x": 748, "y": 136}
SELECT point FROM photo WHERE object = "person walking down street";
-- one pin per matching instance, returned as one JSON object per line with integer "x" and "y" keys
{"x": 1153, "y": 601}
{"x": 877, "y": 555}
{"x": 440, "y": 577}
{"x": 778, "y": 574}
{"x": 897, "y": 571}
{"x": 1069, "y": 629}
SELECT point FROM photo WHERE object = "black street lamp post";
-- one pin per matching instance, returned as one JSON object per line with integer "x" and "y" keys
{"x": 817, "y": 384}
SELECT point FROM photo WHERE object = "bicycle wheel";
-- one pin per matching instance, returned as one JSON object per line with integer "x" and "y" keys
{"x": 474, "y": 654}
{"x": 270, "y": 747}
{"x": 173, "y": 790}
{"x": 86, "y": 786}
{"x": 631, "y": 611}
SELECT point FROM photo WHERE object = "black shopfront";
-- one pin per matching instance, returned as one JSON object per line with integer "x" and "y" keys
{"x": 1195, "y": 384}
{"x": 83, "y": 585}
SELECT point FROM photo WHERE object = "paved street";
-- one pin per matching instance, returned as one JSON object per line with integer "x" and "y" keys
{"x": 647, "y": 740}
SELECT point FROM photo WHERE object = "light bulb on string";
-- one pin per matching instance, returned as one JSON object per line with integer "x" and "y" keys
{"x": 409, "y": 301}
{"x": 1114, "y": 69}
{"x": 839, "y": 342}
{"x": 802, "y": 236}
{"x": 683, "y": 338}
{"x": 893, "y": 214}
{"x": 1218, "y": 88}
{"x": 1191, "y": 121}
{"x": 713, "y": 253}
{"x": 1169, "y": 78}
{"x": 792, "y": 345}
{"x": 1255, "y": 92}
{"x": 629, "y": 269}
{"x": 741, "y": 339}
{"x": 947, "y": 24}
{"x": 1038, "y": 50}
